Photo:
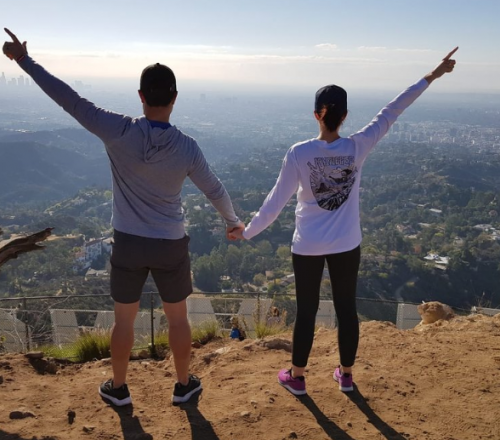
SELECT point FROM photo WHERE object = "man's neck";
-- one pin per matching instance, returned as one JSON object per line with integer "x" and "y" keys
{"x": 160, "y": 114}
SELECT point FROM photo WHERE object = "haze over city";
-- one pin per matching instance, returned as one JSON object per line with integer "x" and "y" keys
{"x": 264, "y": 45}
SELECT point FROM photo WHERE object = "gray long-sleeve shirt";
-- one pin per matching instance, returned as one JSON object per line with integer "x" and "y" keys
{"x": 148, "y": 165}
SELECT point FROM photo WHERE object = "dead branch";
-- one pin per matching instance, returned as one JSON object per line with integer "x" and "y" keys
{"x": 22, "y": 245}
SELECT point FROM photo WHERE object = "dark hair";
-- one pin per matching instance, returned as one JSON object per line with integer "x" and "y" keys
{"x": 333, "y": 116}
{"x": 158, "y": 97}
{"x": 158, "y": 85}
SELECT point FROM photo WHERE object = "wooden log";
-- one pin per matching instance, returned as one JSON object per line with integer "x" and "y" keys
{"x": 22, "y": 245}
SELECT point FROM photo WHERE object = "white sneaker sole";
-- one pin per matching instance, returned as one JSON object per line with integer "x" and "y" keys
{"x": 115, "y": 401}
{"x": 293, "y": 391}
{"x": 341, "y": 388}
{"x": 183, "y": 399}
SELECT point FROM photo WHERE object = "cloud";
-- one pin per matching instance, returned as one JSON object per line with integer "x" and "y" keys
{"x": 372, "y": 48}
{"x": 395, "y": 50}
{"x": 326, "y": 46}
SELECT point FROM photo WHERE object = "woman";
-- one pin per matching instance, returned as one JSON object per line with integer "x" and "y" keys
{"x": 325, "y": 172}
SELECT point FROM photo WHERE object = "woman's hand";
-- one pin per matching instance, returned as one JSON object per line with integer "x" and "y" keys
{"x": 446, "y": 66}
{"x": 236, "y": 233}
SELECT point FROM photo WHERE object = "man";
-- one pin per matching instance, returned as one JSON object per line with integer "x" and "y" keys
{"x": 150, "y": 160}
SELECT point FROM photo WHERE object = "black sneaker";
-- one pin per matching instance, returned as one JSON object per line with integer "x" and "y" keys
{"x": 182, "y": 393}
{"x": 117, "y": 396}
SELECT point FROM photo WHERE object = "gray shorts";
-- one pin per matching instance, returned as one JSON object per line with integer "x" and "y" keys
{"x": 132, "y": 259}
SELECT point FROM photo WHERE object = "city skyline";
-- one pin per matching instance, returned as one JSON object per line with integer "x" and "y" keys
{"x": 362, "y": 45}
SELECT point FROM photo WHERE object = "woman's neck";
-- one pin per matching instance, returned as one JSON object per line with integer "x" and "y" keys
{"x": 327, "y": 135}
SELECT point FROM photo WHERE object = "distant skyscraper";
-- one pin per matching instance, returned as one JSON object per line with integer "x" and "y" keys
{"x": 27, "y": 82}
{"x": 13, "y": 82}
{"x": 3, "y": 80}
{"x": 20, "y": 81}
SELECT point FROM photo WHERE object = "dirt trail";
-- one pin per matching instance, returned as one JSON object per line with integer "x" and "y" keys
{"x": 439, "y": 383}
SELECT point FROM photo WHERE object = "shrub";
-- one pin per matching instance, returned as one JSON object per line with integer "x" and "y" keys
{"x": 63, "y": 352}
{"x": 263, "y": 329}
{"x": 205, "y": 332}
{"x": 93, "y": 345}
{"x": 162, "y": 344}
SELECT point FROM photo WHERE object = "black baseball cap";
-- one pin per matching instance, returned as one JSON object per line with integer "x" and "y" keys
{"x": 158, "y": 78}
{"x": 331, "y": 95}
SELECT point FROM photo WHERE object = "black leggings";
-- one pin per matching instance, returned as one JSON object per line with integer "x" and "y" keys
{"x": 343, "y": 268}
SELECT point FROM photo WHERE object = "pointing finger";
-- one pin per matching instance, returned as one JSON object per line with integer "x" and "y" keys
{"x": 14, "y": 38}
{"x": 447, "y": 57}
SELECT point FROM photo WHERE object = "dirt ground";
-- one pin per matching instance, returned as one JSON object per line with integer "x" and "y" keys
{"x": 441, "y": 382}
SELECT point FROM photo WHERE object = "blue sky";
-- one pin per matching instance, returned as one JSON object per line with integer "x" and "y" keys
{"x": 284, "y": 44}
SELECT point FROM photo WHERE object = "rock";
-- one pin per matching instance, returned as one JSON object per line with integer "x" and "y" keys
{"x": 88, "y": 429}
{"x": 349, "y": 424}
{"x": 222, "y": 350}
{"x": 144, "y": 354}
{"x": 44, "y": 366}
{"x": 34, "y": 355}
{"x": 196, "y": 344}
{"x": 434, "y": 311}
{"x": 271, "y": 399}
{"x": 277, "y": 344}
{"x": 51, "y": 368}
{"x": 208, "y": 357}
{"x": 245, "y": 414}
{"x": 1, "y": 380}
{"x": 134, "y": 357}
{"x": 293, "y": 434}
{"x": 17, "y": 415}
{"x": 71, "y": 416}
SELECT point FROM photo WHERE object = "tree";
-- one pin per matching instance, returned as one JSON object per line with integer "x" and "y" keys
{"x": 283, "y": 252}
{"x": 205, "y": 277}
{"x": 259, "y": 279}
{"x": 233, "y": 260}
{"x": 207, "y": 271}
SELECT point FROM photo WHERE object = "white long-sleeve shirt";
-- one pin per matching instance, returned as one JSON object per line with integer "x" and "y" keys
{"x": 326, "y": 177}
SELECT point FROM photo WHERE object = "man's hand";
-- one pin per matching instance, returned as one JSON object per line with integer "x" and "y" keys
{"x": 15, "y": 50}
{"x": 446, "y": 66}
{"x": 236, "y": 232}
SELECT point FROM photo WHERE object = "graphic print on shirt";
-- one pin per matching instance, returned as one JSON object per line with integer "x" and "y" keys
{"x": 332, "y": 179}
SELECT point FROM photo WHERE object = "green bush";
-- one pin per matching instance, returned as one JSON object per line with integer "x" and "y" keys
{"x": 93, "y": 345}
{"x": 63, "y": 352}
{"x": 263, "y": 329}
{"x": 205, "y": 332}
{"x": 162, "y": 344}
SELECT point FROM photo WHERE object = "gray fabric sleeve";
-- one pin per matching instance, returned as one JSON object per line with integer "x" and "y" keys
{"x": 105, "y": 124}
{"x": 208, "y": 183}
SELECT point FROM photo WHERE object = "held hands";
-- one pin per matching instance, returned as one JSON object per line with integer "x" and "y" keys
{"x": 14, "y": 50}
{"x": 446, "y": 66}
{"x": 235, "y": 233}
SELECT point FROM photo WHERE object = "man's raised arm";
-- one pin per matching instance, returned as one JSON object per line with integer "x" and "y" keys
{"x": 103, "y": 123}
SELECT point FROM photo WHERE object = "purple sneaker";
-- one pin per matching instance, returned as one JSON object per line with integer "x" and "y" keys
{"x": 344, "y": 380}
{"x": 296, "y": 385}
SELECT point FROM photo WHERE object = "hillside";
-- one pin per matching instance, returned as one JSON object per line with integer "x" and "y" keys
{"x": 438, "y": 383}
{"x": 31, "y": 172}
